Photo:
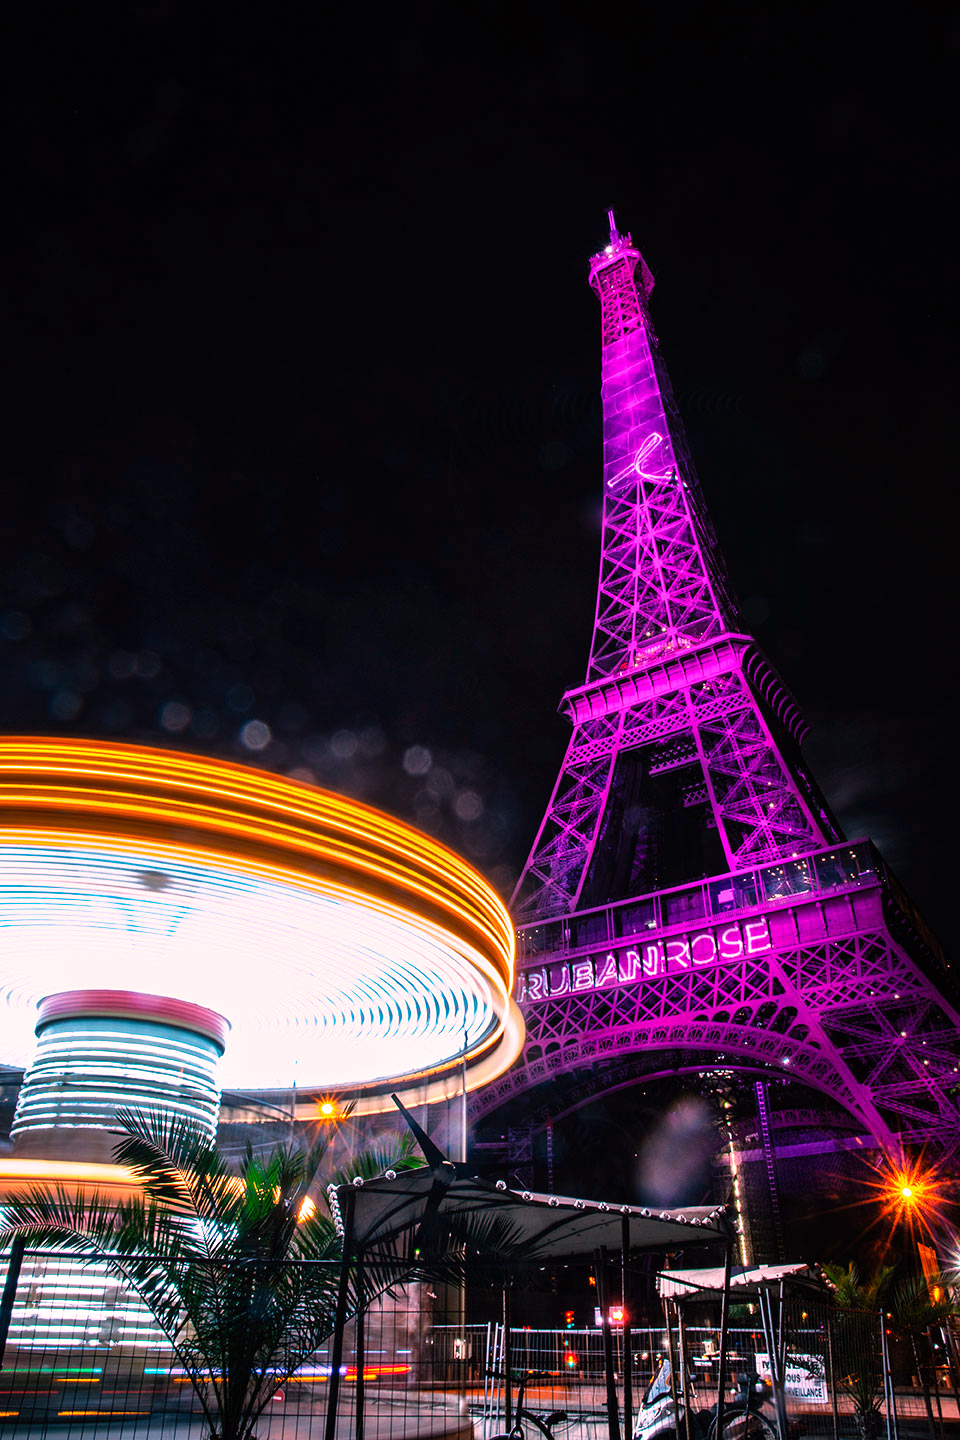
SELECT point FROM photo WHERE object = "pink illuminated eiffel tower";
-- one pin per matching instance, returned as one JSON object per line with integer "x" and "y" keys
{"x": 674, "y": 687}
{"x": 689, "y": 900}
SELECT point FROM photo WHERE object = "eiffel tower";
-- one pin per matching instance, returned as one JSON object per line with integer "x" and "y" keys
{"x": 690, "y": 901}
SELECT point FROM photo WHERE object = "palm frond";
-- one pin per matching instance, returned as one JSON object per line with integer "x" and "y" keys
{"x": 850, "y": 1293}
{"x": 914, "y": 1307}
{"x": 177, "y": 1166}
{"x": 73, "y": 1220}
{"x": 396, "y": 1153}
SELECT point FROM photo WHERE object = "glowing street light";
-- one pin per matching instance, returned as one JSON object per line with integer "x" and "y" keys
{"x": 910, "y": 1190}
{"x": 913, "y": 1195}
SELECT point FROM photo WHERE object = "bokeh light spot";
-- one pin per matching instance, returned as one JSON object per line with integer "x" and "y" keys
{"x": 16, "y": 625}
{"x": 255, "y": 735}
{"x": 417, "y": 760}
{"x": 344, "y": 744}
{"x": 240, "y": 699}
{"x": 65, "y": 705}
{"x": 468, "y": 805}
{"x": 122, "y": 665}
{"x": 441, "y": 783}
{"x": 175, "y": 716}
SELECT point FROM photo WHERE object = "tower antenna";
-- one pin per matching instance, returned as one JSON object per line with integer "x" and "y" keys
{"x": 614, "y": 232}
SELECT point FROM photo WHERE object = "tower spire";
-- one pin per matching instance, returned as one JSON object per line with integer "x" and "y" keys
{"x": 663, "y": 584}
{"x": 684, "y": 759}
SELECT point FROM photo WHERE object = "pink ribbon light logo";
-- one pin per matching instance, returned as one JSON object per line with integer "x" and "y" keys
{"x": 638, "y": 465}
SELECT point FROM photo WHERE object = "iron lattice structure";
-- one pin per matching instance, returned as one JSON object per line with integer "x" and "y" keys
{"x": 689, "y": 899}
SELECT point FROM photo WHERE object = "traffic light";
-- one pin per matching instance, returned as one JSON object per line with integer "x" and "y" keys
{"x": 568, "y": 1319}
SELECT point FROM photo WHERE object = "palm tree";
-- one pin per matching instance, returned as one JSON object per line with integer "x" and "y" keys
{"x": 915, "y": 1307}
{"x": 857, "y": 1363}
{"x": 852, "y": 1293}
{"x": 239, "y": 1270}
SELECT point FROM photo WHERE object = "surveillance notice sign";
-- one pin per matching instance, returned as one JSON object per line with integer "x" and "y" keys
{"x": 805, "y": 1377}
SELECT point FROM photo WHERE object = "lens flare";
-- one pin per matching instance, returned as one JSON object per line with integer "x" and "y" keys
{"x": 910, "y": 1194}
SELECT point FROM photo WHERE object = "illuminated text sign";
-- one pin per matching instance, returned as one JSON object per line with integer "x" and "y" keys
{"x": 646, "y": 961}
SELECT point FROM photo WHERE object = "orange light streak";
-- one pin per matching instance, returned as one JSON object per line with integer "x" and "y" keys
{"x": 350, "y": 1373}
{"x": 97, "y": 777}
{"x": 86, "y": 794}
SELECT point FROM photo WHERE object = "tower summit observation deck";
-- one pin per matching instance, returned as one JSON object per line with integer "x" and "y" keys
{"x": 690, "y": 902}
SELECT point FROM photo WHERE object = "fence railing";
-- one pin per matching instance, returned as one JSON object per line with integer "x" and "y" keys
{"x": 82, "y": 1350}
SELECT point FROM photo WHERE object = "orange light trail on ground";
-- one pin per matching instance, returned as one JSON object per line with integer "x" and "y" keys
{"x": 350, "y": 1373}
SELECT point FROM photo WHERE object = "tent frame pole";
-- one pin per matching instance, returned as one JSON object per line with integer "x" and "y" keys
{"x": 627, "y": 1357}
{"x": 340, "y": 1319}
{"x": 613, "y": 1408}
{"x": 724, "y": 1316}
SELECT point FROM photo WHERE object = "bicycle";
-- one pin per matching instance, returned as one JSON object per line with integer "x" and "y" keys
{"x": 543, "y": 1423}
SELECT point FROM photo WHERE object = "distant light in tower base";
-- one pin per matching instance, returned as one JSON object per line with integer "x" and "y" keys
{"x": 103, "y": 1051}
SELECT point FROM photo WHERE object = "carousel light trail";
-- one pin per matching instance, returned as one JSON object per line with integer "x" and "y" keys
{"x": 343, "y": 947}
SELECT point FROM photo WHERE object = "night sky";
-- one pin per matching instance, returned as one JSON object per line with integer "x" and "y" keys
{"x": 300, "y": 405}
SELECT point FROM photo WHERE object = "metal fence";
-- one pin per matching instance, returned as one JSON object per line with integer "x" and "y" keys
{"x": 83, "y": 1354}
{"x": 845, "y": 1373}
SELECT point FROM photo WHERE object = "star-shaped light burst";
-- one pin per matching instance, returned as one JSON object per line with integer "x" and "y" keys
{"x": 912, "y": 1193}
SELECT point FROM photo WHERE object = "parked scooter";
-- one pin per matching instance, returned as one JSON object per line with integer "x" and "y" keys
{"x": 660, "y": 1418}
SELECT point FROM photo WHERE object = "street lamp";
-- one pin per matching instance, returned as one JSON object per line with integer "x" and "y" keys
{"x": 911, "y": 1194}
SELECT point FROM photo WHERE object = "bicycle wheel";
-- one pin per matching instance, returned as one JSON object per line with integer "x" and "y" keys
{"x": 526, "y": 1424}
{"x": 744, "y": 1425}
{"x": 526, "y": 1420}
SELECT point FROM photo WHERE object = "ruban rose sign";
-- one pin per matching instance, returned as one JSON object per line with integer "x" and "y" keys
{"x": 647, "y": 961}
